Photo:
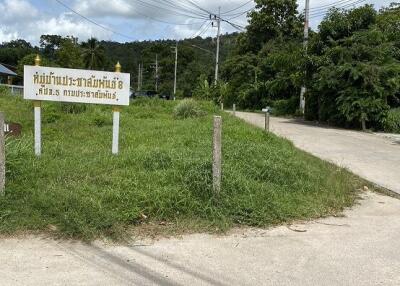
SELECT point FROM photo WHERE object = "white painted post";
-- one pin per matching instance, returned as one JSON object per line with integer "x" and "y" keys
{"x": 37, "y": 118}
{"x": 38, "y": 128}
{"x": 115, "y": 136}
{"x": 2, "y": 156}
{"x": 222, "y": 106}
{"x": 116, "y": 113}
{"x": 234, "y": 109}
{"x": 217, "y": 154}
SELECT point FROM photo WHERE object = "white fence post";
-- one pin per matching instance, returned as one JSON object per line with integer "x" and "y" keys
{"x": 217, "y": 154}
{"x": 234, "y": 109}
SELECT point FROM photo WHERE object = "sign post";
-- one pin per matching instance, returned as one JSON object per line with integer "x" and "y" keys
{"x": 37, "y": 117}
{"x": 116, "y": 113}
{"x": 73, "y": 85}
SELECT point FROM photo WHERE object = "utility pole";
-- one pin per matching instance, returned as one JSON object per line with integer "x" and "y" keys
{"x": 141, "y": 76}
{"x": 218, "y": 18}
{"x": 138, "y": 80}
{"x": 156, "y": 72}
{"x": 305, "y": 45}
{"x": 176, "y": 68}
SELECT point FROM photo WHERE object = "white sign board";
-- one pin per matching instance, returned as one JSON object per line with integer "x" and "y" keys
{"x": 72, "y": 85}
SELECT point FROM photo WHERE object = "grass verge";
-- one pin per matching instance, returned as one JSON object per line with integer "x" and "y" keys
{"x": 162, "y": 175}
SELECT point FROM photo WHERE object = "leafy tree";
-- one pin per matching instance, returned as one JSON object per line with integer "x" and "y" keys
{"x": 49, "y": 44}
{"x": 357, "y": 72}
{"x": 69, "y": 55}
{"x": 93, "y": 54}
{"x": 30, "y": 60}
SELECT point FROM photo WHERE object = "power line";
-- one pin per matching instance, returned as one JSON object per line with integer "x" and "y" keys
{"x": 93, "y": 22}
{"x": 318, "y": 14}
{"x": 334, "y": 4}
{"x": 152, "y": 6}
{"x": 237, "y": 8}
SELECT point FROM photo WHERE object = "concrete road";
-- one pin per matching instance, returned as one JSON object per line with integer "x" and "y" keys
{"x": 375, "y": 158}
{"x": 360, "y": 249}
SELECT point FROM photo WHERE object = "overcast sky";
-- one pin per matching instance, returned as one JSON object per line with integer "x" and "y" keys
{"x": 134, "y": 19}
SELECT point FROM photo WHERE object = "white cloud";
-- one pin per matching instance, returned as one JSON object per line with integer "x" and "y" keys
{"x": 23, "y": 20}
{"x": 29, "y": 19}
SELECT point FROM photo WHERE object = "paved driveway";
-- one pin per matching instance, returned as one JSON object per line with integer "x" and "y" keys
{"x": 375, "y": 158}
{"x": 361, "y": 248}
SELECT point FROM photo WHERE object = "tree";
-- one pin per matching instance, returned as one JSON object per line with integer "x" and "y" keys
{"x": 69, "y": 55}
{"x": 357, "y": 72}
{"x": 49, "y": 44}
{"x": 93, "y": 54}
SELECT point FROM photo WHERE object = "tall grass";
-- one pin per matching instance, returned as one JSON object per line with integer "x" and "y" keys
{"x": 162, "y": 174}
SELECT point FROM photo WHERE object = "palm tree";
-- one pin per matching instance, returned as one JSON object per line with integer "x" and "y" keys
{"x": 93, "y": 54}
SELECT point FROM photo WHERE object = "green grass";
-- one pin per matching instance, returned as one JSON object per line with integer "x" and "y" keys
{"x": 163, "y": 172}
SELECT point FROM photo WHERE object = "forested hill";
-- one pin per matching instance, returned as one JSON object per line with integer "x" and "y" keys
{"x": 196, "y": 57}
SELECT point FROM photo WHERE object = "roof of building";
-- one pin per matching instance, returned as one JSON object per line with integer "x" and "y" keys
{"x": 6, "y": 71}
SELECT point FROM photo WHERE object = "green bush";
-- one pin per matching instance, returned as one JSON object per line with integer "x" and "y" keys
{"x": 73, "y": 108}
{"x": 392, "y": 122}
{"x": 100, "y": 119}
{"x": 286, "y": 106}
{"x": 4, "y": 91}
{"x": 188, "y": 108}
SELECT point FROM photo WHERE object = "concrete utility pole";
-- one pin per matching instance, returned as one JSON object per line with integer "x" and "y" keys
{"x": 138, "y": 79}
{"x": 156, "y": 72}
{"x": 218, "y": 18}
{"x": 305, "y": 44}
{"x": 176, "y": 68}
{"x": 141, "y": 76}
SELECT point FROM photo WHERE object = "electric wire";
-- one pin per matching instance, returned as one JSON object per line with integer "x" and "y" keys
{"x": 93, "y": 22}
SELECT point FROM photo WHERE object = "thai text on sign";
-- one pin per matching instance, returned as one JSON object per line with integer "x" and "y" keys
{"x": 72, "y": 85}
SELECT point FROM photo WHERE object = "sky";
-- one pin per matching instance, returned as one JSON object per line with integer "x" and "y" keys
{"x": 134, "y": 20}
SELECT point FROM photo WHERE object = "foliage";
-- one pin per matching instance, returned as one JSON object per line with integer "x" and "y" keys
{"x": 391, "y": 123}
{"x": 356, "y": 72}
{"x": 69, "y": 55}
{"x": 93, "y": 54}
{"x": 188, "y": 108}
{"x": 285, "y": 106}
{"x": 162, "y": 175}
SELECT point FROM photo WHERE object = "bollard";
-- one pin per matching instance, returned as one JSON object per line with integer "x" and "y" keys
{"x": 234, "y": 109}
{"x": 222, "y": 106}
{"x": 2, "y": 156}
{"x": 266, "y": 111}
{"x": 267, "y": 122}
{"x": 217, "y": 154}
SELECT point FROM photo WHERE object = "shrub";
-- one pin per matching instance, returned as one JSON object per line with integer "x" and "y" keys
{"x": 4, "y": 91}
{"x": 73, "y": 108}
{"x": 286, "y": 106}
{"x": 392, "y": 121}
{"x": 100, "y": 119}
{"x": 188, "y": 108}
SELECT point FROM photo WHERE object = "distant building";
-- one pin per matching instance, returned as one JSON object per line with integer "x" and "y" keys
{"x": 6, "y": 75}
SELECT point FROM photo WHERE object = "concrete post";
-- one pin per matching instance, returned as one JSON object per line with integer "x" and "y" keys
{"x": 217, "y": 154}
{"x": 222, "y": 106}
{"x": 266, "y": 121}
{"x": 234, "y": 109}
{"x": 2, "y": 156}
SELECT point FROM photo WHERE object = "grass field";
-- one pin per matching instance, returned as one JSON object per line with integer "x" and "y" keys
{"x": 162, "y": 175}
